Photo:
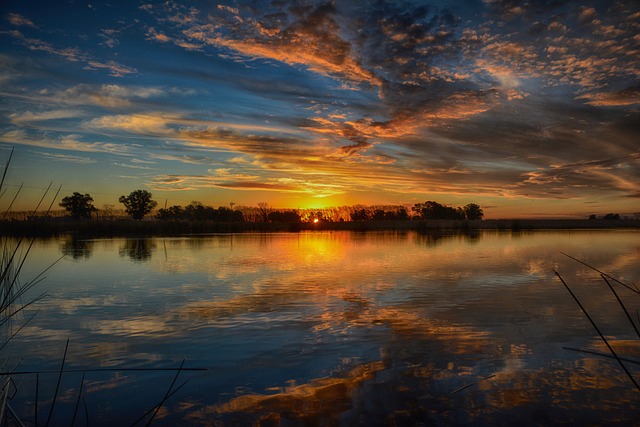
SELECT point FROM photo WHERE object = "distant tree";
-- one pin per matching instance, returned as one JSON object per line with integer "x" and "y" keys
{"x": 196, "y": 211}
{"x": 225, "y": 214}
{"x": 106, "y": 211}
{"x": 390, "y": 216}
{"x": 593, "y": 216}
{"x": 286, "y": 216}
{"x": 78, "y": 205}
{"x": 359, "y": 215}
{"x": 263, "y": 209}
{"x": 378, "y": 215}
{"x": 434, "y": 210}
{"x": 473, "y": 211}
{"x": 138, "y": 203}
{"x": 611, "y": 216}
{"x": 402, "y": 215}
{"x": 172, "y": 213}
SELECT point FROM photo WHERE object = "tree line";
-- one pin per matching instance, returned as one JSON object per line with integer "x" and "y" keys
{"x": 434, "y": 210}
{"x": 140, "y": 203}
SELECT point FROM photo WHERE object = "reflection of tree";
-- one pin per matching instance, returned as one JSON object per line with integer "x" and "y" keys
{"x": 77, "y": 248}
{"x": 137, "y": 249}
{"x": 436, "y": 237}
{"x": 432, "y": 237}
{"x": 472, "y": 236}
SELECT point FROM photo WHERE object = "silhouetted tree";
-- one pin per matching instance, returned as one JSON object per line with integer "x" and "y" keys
{"x": 225, "y": 214}
{"x": 473, "y": 211}
{"x": 78, "y": 205}
{"x": 138, "y": 203}
{"x": 434, "y": 210}
{"x": 106, "y": 212}
{"x": 378, "y": 215}
{"x": 611, "y": 216}
{"x": 399, "y": 215}
{"x": 172, "y": 213}
{"x": 359, "y": 215}
{"x": 402, "y": 214}
{"x": 196, "y": 211}
{"x": 263, "y": 209}
{"x": 286, "y": 216}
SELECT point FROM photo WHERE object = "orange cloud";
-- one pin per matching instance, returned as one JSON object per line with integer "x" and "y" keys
{"x": 613, "y": 99}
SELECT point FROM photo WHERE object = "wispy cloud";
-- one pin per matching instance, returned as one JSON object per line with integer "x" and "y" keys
{"x": 147, "y": 124}
{"x": 66, "y": 158}
{"x": 71, "y": 53}
{"x": 29, "y": 117}
{"x": 70, "y": 142}
{"x": 126, "y": 165}
{"x": 226, "y": 179}
{"x": 19, "y": 20}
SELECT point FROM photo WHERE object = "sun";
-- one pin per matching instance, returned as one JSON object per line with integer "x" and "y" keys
{"x": 316, "y": 220}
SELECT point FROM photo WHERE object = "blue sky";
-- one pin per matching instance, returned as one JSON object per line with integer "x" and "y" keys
{"x": 526, "y": 108}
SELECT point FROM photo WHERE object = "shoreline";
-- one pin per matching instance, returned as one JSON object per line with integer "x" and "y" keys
{"x": 153, "y": 227}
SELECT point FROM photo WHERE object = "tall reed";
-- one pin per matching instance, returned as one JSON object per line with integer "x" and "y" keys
{"x": 13, "y": 255}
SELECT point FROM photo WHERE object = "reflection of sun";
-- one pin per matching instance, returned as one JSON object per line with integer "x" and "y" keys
{"x": 316, "y": 220}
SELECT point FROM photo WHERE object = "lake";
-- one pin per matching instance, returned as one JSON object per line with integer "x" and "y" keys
{"x": 330, "y": 328}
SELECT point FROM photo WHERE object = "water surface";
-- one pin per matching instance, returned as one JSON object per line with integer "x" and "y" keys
{"x": 332, "y": 328}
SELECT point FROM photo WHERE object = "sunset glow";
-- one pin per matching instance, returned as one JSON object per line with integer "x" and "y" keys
{"x": 525, "y": 108}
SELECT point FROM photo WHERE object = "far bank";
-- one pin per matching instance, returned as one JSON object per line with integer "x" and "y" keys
{"x": 125, "y": 227}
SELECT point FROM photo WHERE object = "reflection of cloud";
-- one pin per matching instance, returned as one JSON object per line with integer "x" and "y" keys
{"x": 324, "y": 398}
{"x": 433, "y": 319}
{"x": 142, "y": 326}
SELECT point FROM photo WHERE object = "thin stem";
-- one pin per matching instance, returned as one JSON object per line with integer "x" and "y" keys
{"x": 55, "y": 395}
{"x": 78, "y": 401}
{"x": 602, "y": 273}
{"x": 623, "y": 307}
{"x": 599, "y": 332}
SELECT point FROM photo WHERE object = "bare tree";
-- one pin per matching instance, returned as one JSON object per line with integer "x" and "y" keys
{"x": 264, "y": 210}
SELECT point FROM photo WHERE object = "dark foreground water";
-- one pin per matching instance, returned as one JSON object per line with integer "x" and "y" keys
{"x": 330, "y": 328}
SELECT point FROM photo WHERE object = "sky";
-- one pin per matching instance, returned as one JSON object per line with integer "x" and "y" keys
{"x": 527, "y": 108}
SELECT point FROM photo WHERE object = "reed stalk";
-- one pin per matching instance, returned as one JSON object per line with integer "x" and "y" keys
{"x": 607, "y": 278}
